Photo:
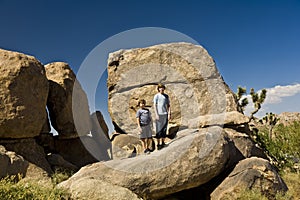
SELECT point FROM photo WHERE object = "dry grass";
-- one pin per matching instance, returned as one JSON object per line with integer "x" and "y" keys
{"x": 291, "y": 179}
{"x": 28, "y": 190}
{"x": 293, "y": 182}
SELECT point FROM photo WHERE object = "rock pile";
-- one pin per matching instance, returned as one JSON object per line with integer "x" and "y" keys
{"x": 211, "y": 143}
{"x": 27, "y": 146}
{"x": 209, "y": 150}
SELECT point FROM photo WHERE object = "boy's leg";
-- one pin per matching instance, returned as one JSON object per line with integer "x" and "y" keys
{"x": 158, "y": 143}
{"x": 152, "y": 144}
{"x": 158, "y": 132}
{"x": 164, "y": 130}
{"x": 155, "y": 143}
{"x": 148, "y": 143}
{"x": 143, "y": 143}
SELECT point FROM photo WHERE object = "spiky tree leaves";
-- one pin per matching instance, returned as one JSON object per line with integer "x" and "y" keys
{"x": 240, "y": 92}
{"x": 257, "y": 100}
{"x": 242, "y": 103}
{"x": 271, "y": 120}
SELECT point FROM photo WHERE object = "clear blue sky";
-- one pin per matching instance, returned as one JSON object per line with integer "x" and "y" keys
{"x": 255, "y": 43}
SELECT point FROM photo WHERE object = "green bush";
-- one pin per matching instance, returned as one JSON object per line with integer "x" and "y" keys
{"x": 60, "y": 176}
{"x": 10, "y": 189}
{"x": 251, "y": 194}
{"x": 284, "y": 147}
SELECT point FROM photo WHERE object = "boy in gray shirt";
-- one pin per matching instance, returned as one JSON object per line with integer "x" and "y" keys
{"x": 143, "y": 116}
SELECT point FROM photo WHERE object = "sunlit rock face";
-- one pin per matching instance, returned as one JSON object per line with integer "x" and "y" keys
{"x": 66, "y": 101}
{"x": 192, "y": 81}
{"x": 23, "y": 95}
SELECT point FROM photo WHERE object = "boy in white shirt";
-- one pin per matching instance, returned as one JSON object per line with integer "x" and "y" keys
{"x": 162, "y": 115}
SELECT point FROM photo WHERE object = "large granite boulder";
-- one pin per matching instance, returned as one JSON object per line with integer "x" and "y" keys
{"x": 32, "y": 161}
{"x": 81, "y": 151}
{"x": 211, "y": 137}
{"x": 99, "y": 125}
{"x": 125, "y": 146}
{"x": 46, "y": 127}
{"x": 245, "y": 145}
{"x": 32, "y": 152}
{"x": 232, "y": 119}
{"x": 67, "y": 102}
{"x": 100, "y": 133}
{"x": 250, "y": 173}
{"x": 57, "y": 162}
{"x": 24, "y": 90}
{"x": 85, "y": 189}
{"x": 12, "y": 163}
{"x": 188, "y": 161}
{"x": 189, "y": 73}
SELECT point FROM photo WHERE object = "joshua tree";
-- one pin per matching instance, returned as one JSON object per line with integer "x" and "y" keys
{"x": 271, "y": 121}
{"x": 242, "y": 103}
{"x": 257, "y": 100}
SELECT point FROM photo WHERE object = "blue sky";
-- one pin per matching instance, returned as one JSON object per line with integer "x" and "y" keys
{"x": 255, "y": 43}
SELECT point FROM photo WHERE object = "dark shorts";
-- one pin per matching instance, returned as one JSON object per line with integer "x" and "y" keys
{"x": 161, "y": 126}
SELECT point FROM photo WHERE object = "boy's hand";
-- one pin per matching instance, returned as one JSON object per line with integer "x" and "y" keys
{"x": 140, "y": 130}
{"x": 157, "y": 117}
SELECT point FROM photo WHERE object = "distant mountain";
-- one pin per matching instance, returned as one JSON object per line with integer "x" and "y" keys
{"x": 286, "y": 118}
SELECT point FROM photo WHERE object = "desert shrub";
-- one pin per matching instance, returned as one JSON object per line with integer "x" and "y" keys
{"x": 60, "y": 176}
{"x": 10, "y": 189}
{"x": 255, "y": 194}
{"x": 284, "y": 147}
{"x": 251, "y": 194}
{"x": 292, "y": 180}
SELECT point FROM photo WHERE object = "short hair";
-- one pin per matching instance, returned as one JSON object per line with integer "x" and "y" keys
{"x": 143, "y": 101}
{"x": 160, "y": 85}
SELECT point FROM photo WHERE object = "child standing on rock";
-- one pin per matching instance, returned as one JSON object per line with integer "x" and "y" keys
{"x": 162, "y": 115}
{"x": 143, "y": 116}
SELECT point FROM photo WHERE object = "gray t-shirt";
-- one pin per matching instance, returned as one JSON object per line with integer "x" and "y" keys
{"x": 162, "y": 102}
{"x": 144, "y": 115}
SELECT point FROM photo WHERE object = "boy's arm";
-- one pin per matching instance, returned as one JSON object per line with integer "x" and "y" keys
{"x": 150, "y": 116}
{"x": 139, "y": 124}
{"x": 155, "y": 108}
{"x": 155, "y": 111}
{"x": 138, "y": 121}
{"x": 169, "y": 111}
{"x": 169, "y": 108}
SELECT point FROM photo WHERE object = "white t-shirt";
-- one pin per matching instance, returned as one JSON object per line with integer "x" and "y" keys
{"x": 162, "y": 102}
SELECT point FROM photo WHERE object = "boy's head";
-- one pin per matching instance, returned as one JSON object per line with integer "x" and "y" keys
{"x": 142, "y": 102}
{"x": 161, "y": 86}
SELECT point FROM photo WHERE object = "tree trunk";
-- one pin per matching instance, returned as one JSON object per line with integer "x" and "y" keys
{"x": 252, "y": 114}
{"x": 270, "y": 132}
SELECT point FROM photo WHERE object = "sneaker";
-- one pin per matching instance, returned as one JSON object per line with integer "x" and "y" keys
{"x": 147, "y": 151}
{"x": 159, "y": 147}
